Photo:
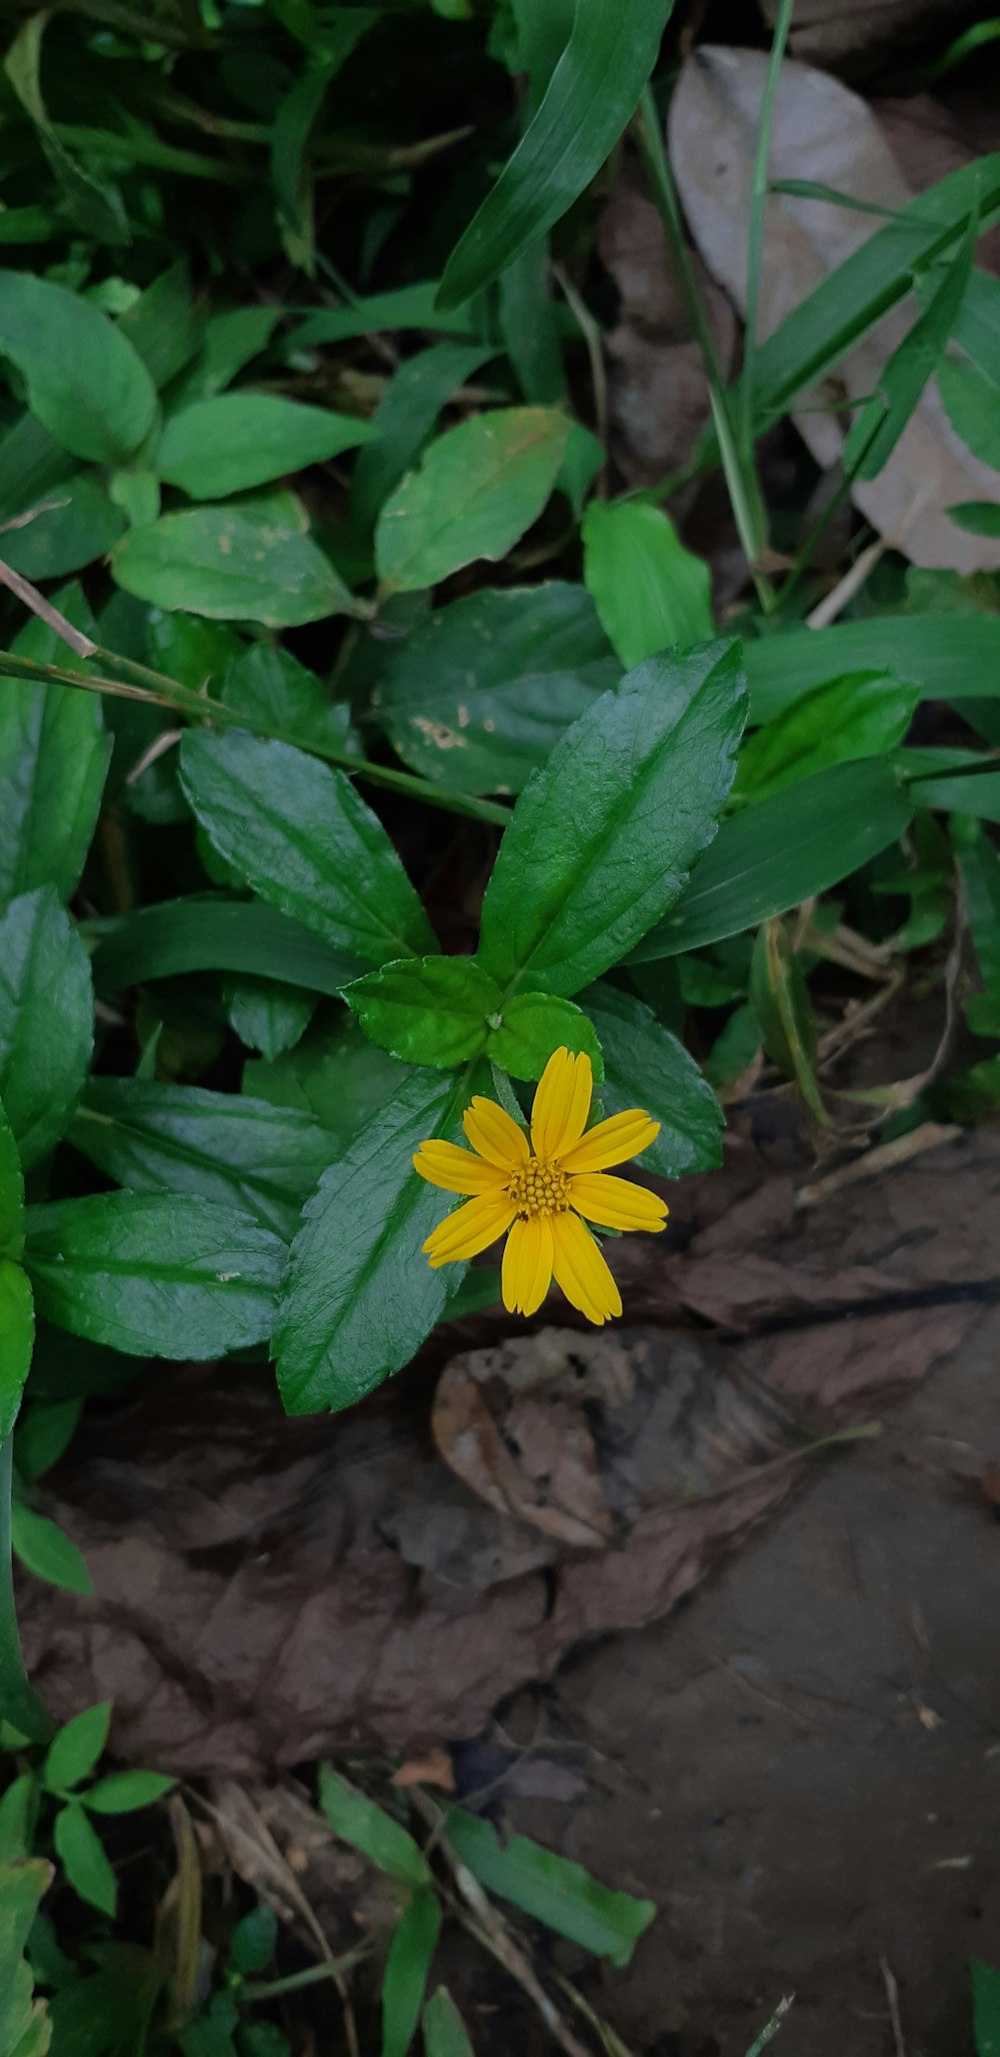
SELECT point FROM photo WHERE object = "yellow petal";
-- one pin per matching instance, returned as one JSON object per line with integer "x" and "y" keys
{"x": 613, "y": 1141}
{"x": 581, "y": 1271}
{"x": 495, "y": 1135}
{"x": 457, "y": 1171}
{"x": 562, "y": 1103}
{"x": 527, "y": 1265}
{"x": 470, "y": 1229}
{"x": 616, "y": 1202}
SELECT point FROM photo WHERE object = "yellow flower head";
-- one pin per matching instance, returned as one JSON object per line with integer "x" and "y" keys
{"x": 539, "y": 1190}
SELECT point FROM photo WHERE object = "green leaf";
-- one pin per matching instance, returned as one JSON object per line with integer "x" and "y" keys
{"x": 407, "y": 1970}
{"x": 407, "y": 307}
{"x": 771, "y": 857}
{"x": 650, "y": 592}
{"x": 254, "y": 1939}
{"x": 233, "y": 563}
{"x": 231, "y": 341}
{"x": 262, "y": 1161}
{"x": 25, "y": 2029}
{"x": 477, "y": 490}
{"x": 303, "y": 838}
{"x": 779, "y": 997}
{"x": 207, "y": 934}
{"x": 562, "y": 1895}
{"x": 591, "y": 96}
{"x": 426, "y": 1010}
{"x": 18, "y": 1821}
{"x": 985, "y": 2008}
{"x": 17, "y": 1336}
{"x": 406, "y": 415}
{"x": 266, "y": 1015}
{"x": 444, "y": 2030}
{"x": 535, "y": 1024}
{"x": 83, "y": 1859}
{"x": 77, "y": 1747}
{"x": 154, "y": 1275}
{"x": 977, "y": 517}
{"x": 646, "y": 1066}
{"x": 195, "y": 652}
{"x": 32, "y": 465}
{"x": 865, "y": 714}
{"x": 529, "y": 327}
{"x": 969, "y": 378}
{"x": 367, "y": 1827}
{"x": 602, "y": 840}
{"x": 46, "y": 1020}
{"x": 476, "y": 697}
{"x": 44, "y": 1433}
{"x": 53, "y": 762}
{"x": 980, "y": 870}
{"x": 874, "y": 433}
{"x": 123, "y": 1791}
{"x": 164, "y": 325}
{"x": 75, "y": 523}
{"x": 86, "y": 384}
{"x": 269, "y": 685}
{"x": 47, "y": 1551}
{"x": 948, "y": 656}
{"x": 359, "y": 1296}
{"x": 11, "y": 1193}
{"x": 335, "y": 1074}
{"x": 226, "y": 445}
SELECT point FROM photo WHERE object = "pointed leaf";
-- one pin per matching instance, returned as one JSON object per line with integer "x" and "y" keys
{"x": 84, "y": 1859}
{"x": 233, "y": 563}
{"x": 368, "y": 1828}
{"x": 47, "y": 1551}
{"x": 479, "y": 487}
{"x": 123, "y": 1791}
{"x": 77, "y": 1747}
{"x": 562, "y": 1895}
{"x": 445, "y": 2033}
{"x": 650, "y": 592}
{"x": 207, "y": 934}
{"x": 407, "y": 1970}
{"x": 46, "y": 1020}
{"x": 227, "y": 445}
{"x": 86, "y": 383}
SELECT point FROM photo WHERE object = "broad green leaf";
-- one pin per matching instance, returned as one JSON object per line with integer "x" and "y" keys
{"x": 590, "y": 98}
{"x": 262, "y": 1161}
{"x": 11, "y": 1193}
{"x": 304, "y": 839}
{"x": 985, "y": 2008}
{"x": 226, "y": 445}
{"x": 532, "y": 1025}
{"x": 427, "y": 1010}
{"x": 83, "y": 1859}
{"x": 948, "y": 656}
{"x": 77, "y": 1747}
{"x": 779, "y": 997}
{"x": 602, "y": 840}
{"x": 478, "y": 488}
{"x": 562, "y": 1895}
{"x": 368, "y": 1828}
{"x": 17, "y": 1336}
{"x": 53, "y": 762}
{"x": 46, "y": 1020}
{"x": 123, "y": 1791}
{"x": 164, "y": 325}
{"x": 405, "y": 417}
{"x": 977, "y": 517}
{"x": 771, "y": 857}
{"x": 74, "y": 523}
{"x": 334, "y": 1074}
{"x": 863, "y": 715}
{"x": 874, "y": 433}
{"x": 86, "y": 384}
{"x": 408, "y": 307}
{"x": 477, "y": 696}
{"x": 646, "y": 1066}
{"x": 233, "y": 563}
{"x": 650, "y": 592}
{"x": 207, "y": 934}
{"x": 266, "y": 1015}
{"x": 154, "y": 1274}
{"x": 444, "y": 2030}
{"x": 269, "y": 685}
{"x": 359, "y": 1296}
{"x": 407, "y": 1970}
{"x": 230, "y": 342}
{"x": 47, "y": 1551}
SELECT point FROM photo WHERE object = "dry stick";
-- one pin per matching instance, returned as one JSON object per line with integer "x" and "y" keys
{"x": 885, "y": 1157}
{"x": 35, "y": 601}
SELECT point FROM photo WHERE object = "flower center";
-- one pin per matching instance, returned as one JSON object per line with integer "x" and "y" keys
{"x": 539, "y": 1188}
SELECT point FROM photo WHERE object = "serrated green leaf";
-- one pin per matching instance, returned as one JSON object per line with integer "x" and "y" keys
{"x": 591, "y": 96}
{"x": 17, "y": 1336}
{"x": 208, "y": 934}
{"x": 532, "y": 1026}
{"x": 426, "y": 1010}
{"x": 86, "y": 384}
{"x": 233, "y": 563}
{"x": 407, "y": 1970}
{"x": 477, "y": 696}
{"x": 779, "y": 997}
{"x": 77, "y": 1747}
{"x": 796, "y": 844}
{"x": 562, "y": 1895}
{"x": 121, "y": 1792}
{"x": 302, "y": 837}
{"x": 865, "y": 714}
{"x": 650, "y": 592}
{"x": 226, "y": 445}
{"x": 602, "y": 840}
{"x": 445, "y": 2033}
{"x": 646, "y": 1066}
{"x": 260, "y": 1160}
{"x": 359, "y": 1298}
{"x": 84, "y": 1859}
{"x": 47, "y": 1551}
{"x": 478, "y": 488}
{"x": 154, "y": 1275}
{"x": 368, "y": 1828}
{"x": 46, "y": 1020}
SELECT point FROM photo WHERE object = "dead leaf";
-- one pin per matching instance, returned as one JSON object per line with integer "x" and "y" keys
{"x": 434, "y": 1768}
{"x": 856, "y": 35}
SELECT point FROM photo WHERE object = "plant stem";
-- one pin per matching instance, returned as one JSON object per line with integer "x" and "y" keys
{"x": 741, "y": 481}
{"x": 19, "y": 1703}
{"x": 273, "y": 1988}
{"x": 755, "y": 237}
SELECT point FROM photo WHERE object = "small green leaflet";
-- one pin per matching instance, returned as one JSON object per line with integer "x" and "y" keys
{"x": 551, "y": 1889}
{"x": 646, "y": 1066}
{"x": 407, "y": 1970}
{"x": 83, "y": 1858}
{"x": 46, "y": 1020}
{"x": 368, "y": 1828}
{"x": 532, "y": 1025}
{"x": 969, "y": 377}
{"x": 650, "y": 592}
{"x": 86, "y": 383}
{"x": 121, "y": 1792}
{"x": 77, "y": 1747}
{"x": 47, "y": 1551}
{"x": 444, "y": 2030}
{"x": 427, "y": 1010}
{"x": 478, "y": 488}
{"x": 165, "y": 326}
{"x": 266, "y": 1015}
{"x": 226, "y": 445}
{"x": 234, "y": 563}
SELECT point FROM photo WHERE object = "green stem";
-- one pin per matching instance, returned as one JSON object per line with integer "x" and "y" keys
{"x": 19, "y": 1703}
{"x": 737, "y": 466}
{"x": 755, "y": 238}
{"x": 314, "y": 1974}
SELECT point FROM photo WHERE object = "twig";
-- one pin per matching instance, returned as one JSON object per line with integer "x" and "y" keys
{"x": 854, "y": 578}
{"x": 771, "y": 2027}
{"x": 929, "y": 1136}
{"x": 36, "y": 602}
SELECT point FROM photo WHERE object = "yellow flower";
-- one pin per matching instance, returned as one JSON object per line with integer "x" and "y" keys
{"x": 539, "y": 1190}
